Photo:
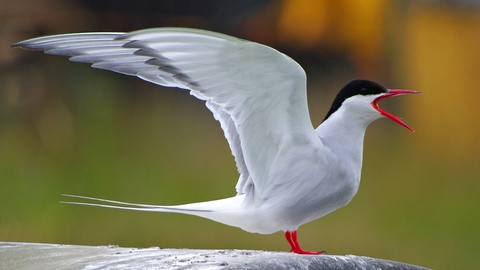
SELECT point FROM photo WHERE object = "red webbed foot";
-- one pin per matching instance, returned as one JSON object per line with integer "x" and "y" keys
{"x": 295, "y": 247}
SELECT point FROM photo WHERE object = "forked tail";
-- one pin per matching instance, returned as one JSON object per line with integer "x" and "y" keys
{"x": 229, "y": 211}
{"x": 184, "y": 209}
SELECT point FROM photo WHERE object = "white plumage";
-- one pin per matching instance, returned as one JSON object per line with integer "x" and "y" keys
{"x": 290, "y": 173}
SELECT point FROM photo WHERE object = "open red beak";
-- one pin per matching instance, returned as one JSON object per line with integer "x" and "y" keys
{"x": 392, "y": 93}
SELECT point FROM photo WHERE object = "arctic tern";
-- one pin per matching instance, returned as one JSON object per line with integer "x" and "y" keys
{"x": 290, "y": 173}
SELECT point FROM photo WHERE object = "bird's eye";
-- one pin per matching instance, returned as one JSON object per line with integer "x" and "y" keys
{"x": 363, "y": 89}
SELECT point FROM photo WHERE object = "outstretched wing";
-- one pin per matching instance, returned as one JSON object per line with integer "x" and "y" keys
{"x": 256, "y": 93}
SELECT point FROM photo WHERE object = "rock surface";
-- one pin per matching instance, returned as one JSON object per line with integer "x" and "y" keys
{"x": 49, "y": 256}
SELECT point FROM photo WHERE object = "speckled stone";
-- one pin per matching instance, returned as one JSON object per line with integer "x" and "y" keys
{"x": 15, "y": 256}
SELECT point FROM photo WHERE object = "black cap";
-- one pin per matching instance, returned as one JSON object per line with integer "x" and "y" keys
{"x": 353, "y": 88}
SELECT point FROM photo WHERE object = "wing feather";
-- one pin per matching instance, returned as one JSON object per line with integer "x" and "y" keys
{"x": 256, "y": 93}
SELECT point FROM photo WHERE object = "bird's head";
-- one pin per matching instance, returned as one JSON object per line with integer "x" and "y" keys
{"x": 361, "y": 97}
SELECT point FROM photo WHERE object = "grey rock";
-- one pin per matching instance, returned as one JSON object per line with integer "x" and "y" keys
{"x": 50, "y": 256}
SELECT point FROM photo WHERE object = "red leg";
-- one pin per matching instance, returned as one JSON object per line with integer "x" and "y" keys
{"x": 288, "y": 235}
{"x": 292, "y": 240}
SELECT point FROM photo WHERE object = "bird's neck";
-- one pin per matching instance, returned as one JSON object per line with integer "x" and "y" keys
{"x": 343, "y": 134}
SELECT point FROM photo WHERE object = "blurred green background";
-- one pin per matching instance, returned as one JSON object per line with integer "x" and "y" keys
{"x": 67, "y": 128}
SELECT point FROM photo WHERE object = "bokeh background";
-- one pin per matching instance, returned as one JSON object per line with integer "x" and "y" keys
{"x": 67, "y": 128}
